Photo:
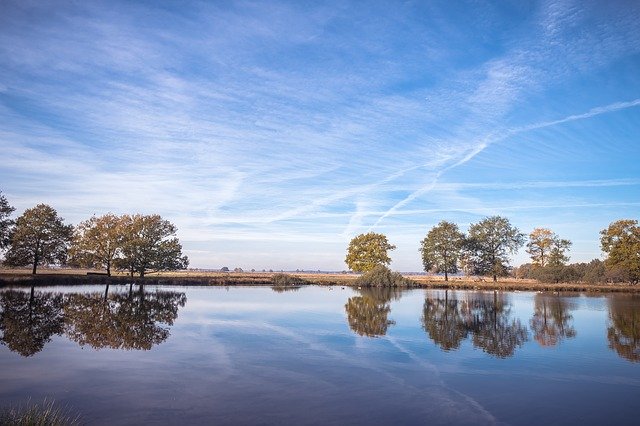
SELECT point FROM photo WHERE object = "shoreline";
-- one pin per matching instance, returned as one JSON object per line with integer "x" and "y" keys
{"x": 222, "y": 279}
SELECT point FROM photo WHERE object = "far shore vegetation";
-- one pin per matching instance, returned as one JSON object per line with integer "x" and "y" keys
{"x": 111, "y": 248}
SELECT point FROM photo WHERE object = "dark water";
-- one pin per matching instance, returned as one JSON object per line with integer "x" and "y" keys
{"x": 319, "y": 356}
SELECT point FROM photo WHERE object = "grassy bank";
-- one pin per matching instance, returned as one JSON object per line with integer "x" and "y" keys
{"x": 47, "y": 277}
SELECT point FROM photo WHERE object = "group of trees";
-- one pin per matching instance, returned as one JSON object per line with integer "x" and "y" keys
{"x": 486, "y": 249}
{"x": 133, "y": 243}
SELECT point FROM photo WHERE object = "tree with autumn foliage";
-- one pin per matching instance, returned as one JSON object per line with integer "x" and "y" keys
{"x": 546, "y": 248}
{"x": 621, "y": 242}
{"x": 366, "y": 251}
{"x": 96, "y": 242}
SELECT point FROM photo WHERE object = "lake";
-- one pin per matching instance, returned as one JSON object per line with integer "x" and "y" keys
{"x": 321, "y": 355}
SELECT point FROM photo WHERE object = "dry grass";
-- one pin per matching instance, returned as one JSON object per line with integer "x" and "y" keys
{"x": 45, "y": 414}
{"x": 195, "y": 277}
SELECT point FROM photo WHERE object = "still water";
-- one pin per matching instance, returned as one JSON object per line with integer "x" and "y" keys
{"x": 319, "y": 355}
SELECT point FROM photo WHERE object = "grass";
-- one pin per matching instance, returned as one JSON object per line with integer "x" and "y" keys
{"x": 206, "y": 278}
{"x": 32, "y": 414}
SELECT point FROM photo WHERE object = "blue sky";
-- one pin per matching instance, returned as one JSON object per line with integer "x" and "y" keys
{"x": 271, "y": 133}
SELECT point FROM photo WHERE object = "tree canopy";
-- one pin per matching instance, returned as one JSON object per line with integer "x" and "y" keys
{"x": 621, "y": 242}
{"x": 149, "y": 244}
{"x": 490, "y": 243}
{"x": 5, "y": 222}
{"x": 96, "y": 242}
{"x": 546, "y": 248}
{"x": 366, "y": 251}
{"x": 441, "y": 248}
{"x": 40, "y": 237}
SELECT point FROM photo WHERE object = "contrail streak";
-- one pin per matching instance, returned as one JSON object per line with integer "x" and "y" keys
{"x": 489, "y": 140}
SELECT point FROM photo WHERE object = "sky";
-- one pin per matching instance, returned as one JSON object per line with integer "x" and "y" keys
{"x": 271, "y": 133}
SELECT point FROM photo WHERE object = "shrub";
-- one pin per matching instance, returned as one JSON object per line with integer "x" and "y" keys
{"x": 284, "y": 280}
{"x": 381, "y": 276}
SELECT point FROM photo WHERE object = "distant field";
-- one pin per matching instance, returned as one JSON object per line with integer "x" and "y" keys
{"x": 79, "y": 276}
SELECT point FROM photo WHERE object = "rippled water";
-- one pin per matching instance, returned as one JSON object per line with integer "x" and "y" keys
{"x": 320, "y": 355}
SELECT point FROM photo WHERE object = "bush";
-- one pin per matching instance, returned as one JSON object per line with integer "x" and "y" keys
{"x": 381, "y": 276}
{"x": 285, "y": 280}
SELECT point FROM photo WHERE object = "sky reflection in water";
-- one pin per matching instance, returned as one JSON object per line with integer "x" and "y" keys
{"x": 318, "y": 355}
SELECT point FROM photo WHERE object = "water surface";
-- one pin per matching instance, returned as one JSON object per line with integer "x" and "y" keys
{"x": 319, "y": 355}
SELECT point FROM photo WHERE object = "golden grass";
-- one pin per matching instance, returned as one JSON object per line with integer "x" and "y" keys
{"x": 195, "y": 277}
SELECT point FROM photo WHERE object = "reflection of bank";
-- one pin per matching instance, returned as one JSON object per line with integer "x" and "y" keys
{"x": 368, "y": 314}
{"x": 137, "y": 320}
{"x": 552, "y": 321}
{"x": 450, "y": 318}
{"x": 623, "y": 332}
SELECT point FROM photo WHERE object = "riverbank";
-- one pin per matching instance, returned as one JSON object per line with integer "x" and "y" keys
{"x": 47, "y": 277}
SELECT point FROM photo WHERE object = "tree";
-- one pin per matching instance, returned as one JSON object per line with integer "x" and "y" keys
{"x": 40, "y": 237}
{"x": 621, "y": 242}
{"x": 5, "y": 222}
{"x": 366, "y": 251}
{"x": 490, "y": 242}
{"x": 149, "y": 245}
{"x": 96, "y": 242}
{"x": 547, "y": 248}
{"x": 441, "y": 248}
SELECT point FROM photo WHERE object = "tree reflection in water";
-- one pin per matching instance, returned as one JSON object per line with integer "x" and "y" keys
{"x": 623, "y": 332}
{"x": 551, "y": 321}
{"x": 135, "y": 320}
{"x": 442, "y": 320}
{"x": 368, "y": 313}
{"x": 29, "y": 319}
{"x": 487, "y": 317}
{"x": 138, "y": 320}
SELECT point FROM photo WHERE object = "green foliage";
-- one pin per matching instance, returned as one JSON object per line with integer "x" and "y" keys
{"x": 621, "y": 242}
{"x": 5, "y": 222}
{"x": 381, "y": 276}
{"x": 490, "y": 243}
{"x": 40, "y": 238}
{"x": 441, "y": 248}
{"x": 45, "y": 414}
{"x": 366, "y": 251}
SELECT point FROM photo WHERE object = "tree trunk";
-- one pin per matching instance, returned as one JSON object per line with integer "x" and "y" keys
{"x": 495, "y": 277}
{"x": 35, "y": 263}
{"x": 108, "y": 268}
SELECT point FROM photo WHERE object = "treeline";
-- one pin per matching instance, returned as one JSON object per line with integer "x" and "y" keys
{"x": 133, "y": 243}
{"x": 487, "y": 247}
